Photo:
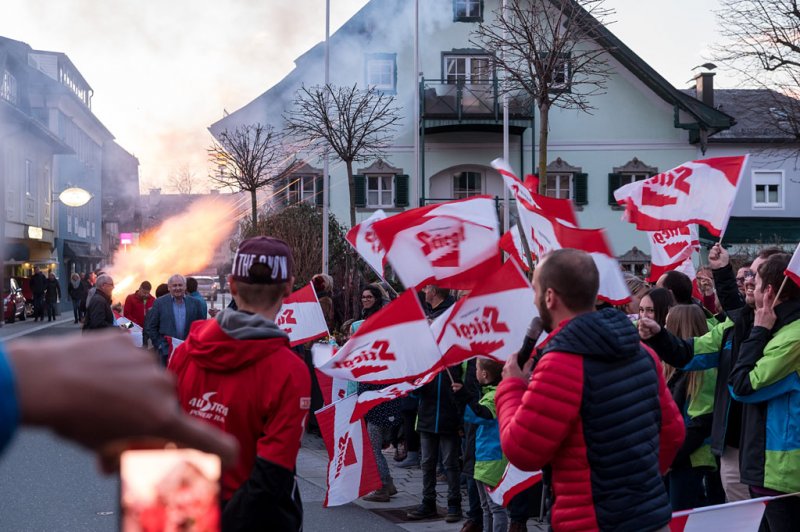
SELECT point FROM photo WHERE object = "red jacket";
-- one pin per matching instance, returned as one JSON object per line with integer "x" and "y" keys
{"x": 255, "y": 389}
{"x": 135, "y": 308}
{"x": 598, "y": 412}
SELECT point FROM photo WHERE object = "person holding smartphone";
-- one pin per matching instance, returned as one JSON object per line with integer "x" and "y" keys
{"x": 236, "y": 371}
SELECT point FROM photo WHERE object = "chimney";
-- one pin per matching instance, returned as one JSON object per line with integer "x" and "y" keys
{"x": 704, "y": 88}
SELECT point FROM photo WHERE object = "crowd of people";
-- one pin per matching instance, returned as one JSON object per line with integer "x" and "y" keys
{"x": 688, "y": 395}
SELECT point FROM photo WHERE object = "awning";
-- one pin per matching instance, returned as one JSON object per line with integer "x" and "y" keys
{"x": 16, "y": 252}
{"x": 81, "y": 250}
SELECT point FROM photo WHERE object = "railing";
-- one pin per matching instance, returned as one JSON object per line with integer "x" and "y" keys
{"x": 469, "y": 99}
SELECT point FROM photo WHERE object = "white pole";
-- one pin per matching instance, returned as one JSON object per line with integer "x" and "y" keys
{"x": 506, "y": 210}
{"x": 325, "y": 176}
{"x": 417, "y": 177}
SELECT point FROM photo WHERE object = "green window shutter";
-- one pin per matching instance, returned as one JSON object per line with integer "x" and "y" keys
{"x": 579, "y": 186}
{"x": 401, "y": 190}
{"x": 361, "y": 190}
{"x": 614, "y": 182}
{"x": 318, "y": 190}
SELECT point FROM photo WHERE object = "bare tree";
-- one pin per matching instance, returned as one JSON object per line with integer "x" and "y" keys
{"x": 247, "y": 158}
{"x": 762, "y": 43}
{"x": 356, "y": 124}
{"x": 183, "y": 180}
{"x": 546, "y": 51}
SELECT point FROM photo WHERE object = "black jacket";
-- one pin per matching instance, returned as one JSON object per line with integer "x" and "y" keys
{"x": 98, "y": 312}
{"x": 52, "y": 291}
{"x": 727, "y": 417}
{"x": 37, "y": 284}
{"x": 77, "y": 293}
{"x": 438, "y": 411}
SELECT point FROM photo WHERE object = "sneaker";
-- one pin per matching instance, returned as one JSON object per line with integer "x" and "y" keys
{"x": 453, "y": 514}
{"x": 422, "y": 512}
{"x": 412, "y": 460}
{"x": 379, "y": 495}
{"x": 472, "y": 526}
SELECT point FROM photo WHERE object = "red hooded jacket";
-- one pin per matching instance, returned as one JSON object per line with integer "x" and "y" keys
{"x": 256, "y": 389}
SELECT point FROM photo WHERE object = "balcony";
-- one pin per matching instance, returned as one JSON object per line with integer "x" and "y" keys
{"x": 476, "y": 101}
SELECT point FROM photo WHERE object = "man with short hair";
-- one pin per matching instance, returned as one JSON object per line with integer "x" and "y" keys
{"x": 679, "y": 284}
{"x": 765, "y": 379}
{"x": 98, "y": 312}
{"x": 597, "y": 409}
{"x": 437, "y": 300}
{"x": 138, "y": 303}
{"x": 741, "y": 276}
{"x": 171, "y": 316}
{"x": 237, "y": 372}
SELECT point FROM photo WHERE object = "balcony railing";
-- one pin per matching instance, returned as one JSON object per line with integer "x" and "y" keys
{"x": 476, "y": 99}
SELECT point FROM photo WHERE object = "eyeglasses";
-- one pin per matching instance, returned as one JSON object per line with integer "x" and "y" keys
{"x": 367, "y": 297}
{"x": 747, "y": 275}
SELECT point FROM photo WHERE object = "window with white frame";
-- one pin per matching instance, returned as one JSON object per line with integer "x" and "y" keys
{"x": 467, "y": 10}
{"x": 626, "y": 178}
{"x": 767, "y": 189}
{"x": 8, "y": 87}
{"x": 381, "y": 72}
{"x": 559, "y": 186}
{"x": 559, "y": 71}
{"x": 69, "y": 223}
{"x": 380, "y": 191}
{"x": 466, "y": 185}
{"x": 468, "y": 69}
{"x": 301, "y": 188}
{"x": 93, "y": 230}
{"x": 28, "y": 178}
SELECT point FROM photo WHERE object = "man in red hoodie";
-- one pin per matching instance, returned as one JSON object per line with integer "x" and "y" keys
{"x": 236, "y": 371}
{"x": 596, "y": 411}
{"x": 138, "y": 303}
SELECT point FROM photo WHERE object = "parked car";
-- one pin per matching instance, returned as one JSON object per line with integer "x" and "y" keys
{"x": 207, "y": 286}
{"x": 13, "y": 302}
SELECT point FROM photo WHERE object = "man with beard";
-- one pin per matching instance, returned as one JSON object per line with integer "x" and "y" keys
{"x": 718, "y": 348}
{"x": 596, "y": 410}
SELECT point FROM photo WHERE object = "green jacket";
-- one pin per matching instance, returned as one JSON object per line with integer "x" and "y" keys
{"x": 766, "y": 378}
{"x": 489, "y": 459}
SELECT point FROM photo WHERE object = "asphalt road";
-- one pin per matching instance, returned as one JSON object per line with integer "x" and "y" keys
{"x": 48, "y": 484}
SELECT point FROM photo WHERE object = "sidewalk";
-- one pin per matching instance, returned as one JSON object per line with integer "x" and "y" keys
{"x": 9, "y": 331}
{"x": 312, "y": 466}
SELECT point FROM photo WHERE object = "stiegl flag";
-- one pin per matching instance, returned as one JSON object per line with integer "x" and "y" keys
{"x": 696, "y": 192}
{"x": 513, "y": 482}
{"x": 793, "y": 269}
{"x": 364, "y": 240}
{"x": 301, "y": 317}
{"x": 352, "y": 472}
{"x": 670, "y": 248}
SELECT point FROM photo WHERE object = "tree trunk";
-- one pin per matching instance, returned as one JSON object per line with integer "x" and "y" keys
{"x": 351, "y": 185}
{"x": 544, "y": 112}
{"x": 254, "y": 206}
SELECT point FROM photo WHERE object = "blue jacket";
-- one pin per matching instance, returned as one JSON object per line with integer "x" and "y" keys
{"x": 202, "y": 301}
{"x": 160, "y": 320}
{"x": 9, "y": 409}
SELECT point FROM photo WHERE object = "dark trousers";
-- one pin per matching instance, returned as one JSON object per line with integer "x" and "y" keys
{"x": 525, "y": 504}
{"x": 38, "y": 306}
{"x": 475, "y": 512}
{"x": 444, "y": 445}
{"x": 77, "y": 311}
{"x": 780, "y": 515}
{"x": 51, "y": 310}
{"x": 685, "y": 488}
{"x": 409, "y": 432}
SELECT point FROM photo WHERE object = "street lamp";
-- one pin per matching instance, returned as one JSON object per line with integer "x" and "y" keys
{"x": 75, "y": 197}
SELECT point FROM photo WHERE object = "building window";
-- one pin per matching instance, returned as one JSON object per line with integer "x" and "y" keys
{"x": 381, "y": 72}
{"x": 559, "y": 186}
{"x": 380, "y": 191}
{"x": 69, "y": 223}
{"x": 93, "y": 230}
{"x": 633, "y": 170}
{"x": 301, "y": 188}
{"x": 8, "y": 89}
{"x": 468, "y": 69}
{"x": 28, "y": 178}
{"x": 468, "y": 10}
{"x": 767, "y": 189}
{"x": 559, "y": 71}
{"x": 466, "y": 185}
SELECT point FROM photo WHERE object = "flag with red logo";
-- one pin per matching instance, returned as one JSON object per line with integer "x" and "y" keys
{"x": 451, "y": 245}
{"x": 793, "y": 269}
{"x": 368, "y": 400}
{"x": 135, "y": 331}
{"x": 352, "y": 472}
{"x": 739, "y": 516}
{"x": 395, "y": 344}
{"x": 513, "y": 482}
{"x": 363, "y": 238}
{"x": 491, "y": 321}
{"x": 332, "y": 389}
{"x": 670, "y": 248}
{"x": 511, "y": 243}
{"x": 700, "y": 192}
{"x": 301, "y": 317}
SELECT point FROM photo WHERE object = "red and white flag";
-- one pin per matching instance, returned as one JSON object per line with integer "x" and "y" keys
{"x": 670, "y": 248}
{"x": 368, "y": 400}
{"x": 301, "y": 317}
{"x": 491, "y": 321}
{"x": 363, "y": 238}
{"x": 451, "y": 245}
{"x": 511, "y": 243}
{"x": 558, "y": 208}
{"x": 332, "y": 389}
{"x": 793, "y": 268}
{"x": 352, "y": 472}
{"x": 513, "y": 482}
{"x": 395, "y": 344}
{"x": 699, "y": 192}
{"x": 739, "y": 516}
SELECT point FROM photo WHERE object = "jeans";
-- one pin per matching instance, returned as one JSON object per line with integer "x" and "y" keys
{"x": 475, "y": 512}
{"x": 685, "y": 488}
{"x": 376, "y": 439}
{"x": 495, "y": 517}
{"x": 76, "y": 309}
{"x": 447, "y": 445}
{"x": 51, "y": 310}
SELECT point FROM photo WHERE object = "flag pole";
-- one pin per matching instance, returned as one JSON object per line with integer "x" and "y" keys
{"x": 778, "y": 295}
{"x": 325, "y": 169}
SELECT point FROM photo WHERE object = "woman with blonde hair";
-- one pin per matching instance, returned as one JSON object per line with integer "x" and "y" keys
{"x": 693, "y": 392}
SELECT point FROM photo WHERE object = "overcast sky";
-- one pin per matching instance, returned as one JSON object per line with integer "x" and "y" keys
{"x": 163, "y": 71}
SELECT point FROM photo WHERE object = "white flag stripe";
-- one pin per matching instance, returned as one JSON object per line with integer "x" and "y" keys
{"x": 365, "y": 242}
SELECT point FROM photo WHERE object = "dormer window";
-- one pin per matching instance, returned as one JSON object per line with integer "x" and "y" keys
{"x": 468, "y": 10}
